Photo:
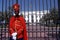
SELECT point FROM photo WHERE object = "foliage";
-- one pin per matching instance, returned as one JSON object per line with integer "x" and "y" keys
{"x": 53, "y": 15}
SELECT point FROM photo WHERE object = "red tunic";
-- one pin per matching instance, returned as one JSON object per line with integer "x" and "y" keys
{"x": 18, "y": 25}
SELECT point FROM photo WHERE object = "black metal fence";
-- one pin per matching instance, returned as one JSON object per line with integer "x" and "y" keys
{"x": 41, "y": 18}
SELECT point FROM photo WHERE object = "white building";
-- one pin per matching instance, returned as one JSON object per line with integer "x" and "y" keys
{"x": 33, "y": 15}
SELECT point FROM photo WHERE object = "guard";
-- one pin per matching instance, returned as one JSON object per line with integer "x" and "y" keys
{"x": 17, "y": 25}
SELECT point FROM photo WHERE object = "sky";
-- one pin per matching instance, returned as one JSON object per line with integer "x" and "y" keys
{"x": 30, "y": 5}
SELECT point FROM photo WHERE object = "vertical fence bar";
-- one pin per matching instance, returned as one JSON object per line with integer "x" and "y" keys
{"x": 56, "y": 21}
{"x": 47, "y": 15}
{"x": 53, "y": 19}
{"x": 5, "y": 17}
{"x": 59, "y": 16}
{"x": 16, "y": 1}
{"x": 39, "y": 21}
{"x": 9, "y": 20}
{"x": 12, "y": 5}
{"x": 50, "y": 19}
{"x": 32, "y": 19}
{"x": 43, "y": 24}
{"x": 59, "y": 7}
{"x": 24, "y": 8}
{"x": 44, "y": 14}
{"x": 36, "y": 21}
{"x": 21, "y": 7}
{"x": 28, "y": 19}
{"x": 1, "y": 27}
{"x": 50, "y": 12}
{"x": 2, "y": 18}
{"x": 36, "y": 18}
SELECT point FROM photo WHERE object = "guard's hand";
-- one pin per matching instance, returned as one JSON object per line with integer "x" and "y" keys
{"x": 14, "y": 35}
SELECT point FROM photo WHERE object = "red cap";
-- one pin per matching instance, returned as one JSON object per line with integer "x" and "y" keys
{"x": 16, "y": 7}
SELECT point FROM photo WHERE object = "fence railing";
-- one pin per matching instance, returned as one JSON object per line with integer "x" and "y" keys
{"x": 41, "y": 18}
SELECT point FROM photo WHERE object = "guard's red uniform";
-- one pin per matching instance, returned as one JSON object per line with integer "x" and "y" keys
{"x": 18, "y": 24}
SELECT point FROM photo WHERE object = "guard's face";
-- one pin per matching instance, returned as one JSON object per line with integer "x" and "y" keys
{"x": 16, "y": 12}
{"x": 16, "y": 9}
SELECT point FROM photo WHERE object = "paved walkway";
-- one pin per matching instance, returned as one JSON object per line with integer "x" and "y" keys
{"x": 35, "y": 33}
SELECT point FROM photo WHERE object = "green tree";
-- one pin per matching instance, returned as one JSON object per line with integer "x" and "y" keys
{"x": 52, "y": 15}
